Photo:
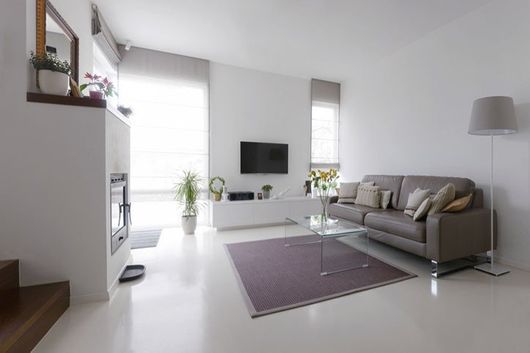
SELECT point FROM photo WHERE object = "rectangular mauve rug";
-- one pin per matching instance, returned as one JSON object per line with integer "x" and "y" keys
{"x": 274, "y": 278}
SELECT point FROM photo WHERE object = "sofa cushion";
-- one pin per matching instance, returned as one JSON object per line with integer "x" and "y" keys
{"x": 354, "y": 213}
{"x": 398, "y": 223}
{"x": 442, "y": 199}
{"x": 387, "y": 182}
{"x": 368, "y": 196}
{"x": 463, "y": 186}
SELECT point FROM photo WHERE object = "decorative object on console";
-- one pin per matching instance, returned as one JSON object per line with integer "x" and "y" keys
{"x": 307, "y": 187}
{"x": 492, "y": 116}
{"x": 216, "y": 191}
{"x": 281, "y": 194}
{"x": 415, "y": 199}
{"x": 187, "y": 192}
{"x": 100, "y": 87}
{"x": 53, "y": 74}
{"x": 368, "y": 195}
{"x": 126, "y": 111}
{"x": 324, "y": 182}
{"x": 266, "y": 191}
{"x": 260, "y": 196}
{"x": 224, "y": 195}
{"x": 458, "y": 204}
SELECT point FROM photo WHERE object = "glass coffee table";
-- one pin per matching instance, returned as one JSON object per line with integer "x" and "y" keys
{"x": 329, "y": 229}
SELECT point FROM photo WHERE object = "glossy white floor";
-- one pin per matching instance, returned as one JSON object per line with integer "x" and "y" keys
{"x": 190, "y": 302}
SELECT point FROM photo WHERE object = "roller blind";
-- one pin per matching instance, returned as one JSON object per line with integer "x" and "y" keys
{"x": 169, "y": 96}
{"x": 325, "y": 117}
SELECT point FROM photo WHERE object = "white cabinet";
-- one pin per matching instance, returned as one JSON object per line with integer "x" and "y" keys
{"x": 252, "y": 213}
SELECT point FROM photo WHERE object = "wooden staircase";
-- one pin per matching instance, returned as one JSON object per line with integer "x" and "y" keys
{"x": 27, "y": 313}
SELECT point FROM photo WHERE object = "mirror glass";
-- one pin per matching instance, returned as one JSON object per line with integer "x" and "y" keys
{"x": 57, "y": 42}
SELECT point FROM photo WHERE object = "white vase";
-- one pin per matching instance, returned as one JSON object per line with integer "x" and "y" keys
{"x": 189, "y": 224}
{"x": 52, "y": 82}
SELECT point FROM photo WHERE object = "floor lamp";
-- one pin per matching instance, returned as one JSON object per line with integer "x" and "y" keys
{"x": 492, "y": 116}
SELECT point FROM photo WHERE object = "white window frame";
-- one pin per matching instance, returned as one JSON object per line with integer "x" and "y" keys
{"x": 320, "y": 165}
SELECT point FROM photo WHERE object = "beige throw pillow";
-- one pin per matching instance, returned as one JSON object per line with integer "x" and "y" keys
{"x": 348, "y": 190}
{"x": 415, "y": 199}
{"x": 385, "y": 198}
{"x": 421, "y": 212}
{"x": 368, "y": 196}
{"x": 442, "y": 198}
{"x": 458, "y": 204}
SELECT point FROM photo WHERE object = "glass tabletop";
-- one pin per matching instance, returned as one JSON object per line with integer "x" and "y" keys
{"x": 328, "y": 228}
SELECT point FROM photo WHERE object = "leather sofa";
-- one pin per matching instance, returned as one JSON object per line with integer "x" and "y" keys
{"x": 442, "y": 237}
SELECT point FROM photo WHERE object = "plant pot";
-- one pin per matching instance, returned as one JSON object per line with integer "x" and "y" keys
{"x": 53, "y": 82}
{"x": 266, "y": 194}
{"x": 96, "y": 95}
{"x": 189, "y": 224}
{"x": 217, "y": 196}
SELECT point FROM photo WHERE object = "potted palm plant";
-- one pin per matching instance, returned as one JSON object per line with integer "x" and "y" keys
{"x": 187, "y": 193}
{"x": 53, "y": 74}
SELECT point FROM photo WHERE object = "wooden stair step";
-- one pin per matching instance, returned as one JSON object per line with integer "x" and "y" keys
{"x": 27, "y": 313}
{"x": 8, "y": 275}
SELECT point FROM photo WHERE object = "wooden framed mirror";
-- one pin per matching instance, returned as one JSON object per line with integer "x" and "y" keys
{"x": 54, "y": 35}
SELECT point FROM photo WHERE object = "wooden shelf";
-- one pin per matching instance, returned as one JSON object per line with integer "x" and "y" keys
{"x": 65, "y": 100}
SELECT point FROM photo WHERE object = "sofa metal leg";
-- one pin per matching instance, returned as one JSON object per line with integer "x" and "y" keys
{"x": 434, "y": 269}
{"x": 439, "y": 269}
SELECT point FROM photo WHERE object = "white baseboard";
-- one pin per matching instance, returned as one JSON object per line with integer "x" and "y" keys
{"x": 89, "y": 298}
{"x": 114, "y": 286}
{"x": 516, "y": 264}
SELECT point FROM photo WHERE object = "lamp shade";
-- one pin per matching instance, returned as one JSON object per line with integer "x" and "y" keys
{"x": 493, "y": 116}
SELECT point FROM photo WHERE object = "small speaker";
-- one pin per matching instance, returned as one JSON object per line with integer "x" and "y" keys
{"x": 240, "y": 195}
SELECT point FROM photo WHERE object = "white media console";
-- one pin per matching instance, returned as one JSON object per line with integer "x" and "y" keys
{"x": 254, "y": 213}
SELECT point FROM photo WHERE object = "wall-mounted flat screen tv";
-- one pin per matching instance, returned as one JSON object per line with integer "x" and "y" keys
{"x": 258, "y": 157}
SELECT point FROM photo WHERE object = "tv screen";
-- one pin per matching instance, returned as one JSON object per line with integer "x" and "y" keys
{"x": 259, "y": 157}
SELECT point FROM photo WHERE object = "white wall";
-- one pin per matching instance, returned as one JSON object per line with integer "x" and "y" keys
{"x": 410, "y": 113}
{"x": 52, "y": 167}
{"x": 249, "y": 105}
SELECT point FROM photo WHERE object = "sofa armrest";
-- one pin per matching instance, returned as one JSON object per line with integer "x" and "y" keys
{"x": 456, "y": 235}
{"x": 333, "y": 199}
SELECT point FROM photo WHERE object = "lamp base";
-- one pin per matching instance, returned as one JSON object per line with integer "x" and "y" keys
{"x": 495, "y": 270}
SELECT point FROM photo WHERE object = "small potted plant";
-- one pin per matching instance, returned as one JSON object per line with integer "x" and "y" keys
{"x": 216, "y": 191}
{"x": 53, "y": 74}
{"x": 266, "y": 191}
{"x": 187, "y": 193}
{"x": 100, "y": 87}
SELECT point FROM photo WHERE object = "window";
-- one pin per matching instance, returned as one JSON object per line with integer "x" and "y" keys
{"x": 325, "y": 113}
{"x": 169, "y": 97}
{"x": 169, "y": 133}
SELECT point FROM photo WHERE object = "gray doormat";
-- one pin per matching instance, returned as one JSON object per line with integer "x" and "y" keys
{"x": 273, "y": 277}
{"x": 145, "y": 238}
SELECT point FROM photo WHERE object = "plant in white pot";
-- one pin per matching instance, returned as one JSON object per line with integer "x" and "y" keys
{"x": 266, "y": 191}
{"x": 53, "y": 74}
{"x": 187, "y": 193}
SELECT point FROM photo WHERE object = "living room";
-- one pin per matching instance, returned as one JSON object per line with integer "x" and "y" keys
{"x": 413, "y": 116}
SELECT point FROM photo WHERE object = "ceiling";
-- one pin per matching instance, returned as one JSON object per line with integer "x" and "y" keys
{"x": 327, "y": 39}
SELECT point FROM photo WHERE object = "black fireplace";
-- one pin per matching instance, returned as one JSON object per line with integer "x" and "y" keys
{"x": 120, "y": 211}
